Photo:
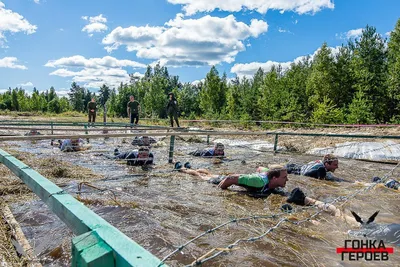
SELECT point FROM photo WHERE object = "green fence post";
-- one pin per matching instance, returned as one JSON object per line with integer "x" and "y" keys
{"x": 86, "y": 132}
{"x": 171, "y": 149}
{"x": 89, "y": 250}
{"x": 52, "y": 128}
{"x": 208, "y": 139}
{"x": 276, "y": 143}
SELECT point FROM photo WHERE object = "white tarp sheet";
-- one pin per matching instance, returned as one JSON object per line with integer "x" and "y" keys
{"x": 255, "y": 145}
{"x": 380, "y": 151}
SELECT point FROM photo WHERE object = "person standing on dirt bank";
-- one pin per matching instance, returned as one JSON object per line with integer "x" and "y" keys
{"x": 133, "y": 109}
{"x": 173, "y": 109}
{"x": 92, "y": 108}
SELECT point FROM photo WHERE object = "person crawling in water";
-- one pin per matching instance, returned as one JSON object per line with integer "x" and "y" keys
{"x": 140, "y": 157}
{"x": 71, "y": 145}
{"x": 319, "y": 169}
{"x": 217, "y": 151}
{"x": 261, "y": 183}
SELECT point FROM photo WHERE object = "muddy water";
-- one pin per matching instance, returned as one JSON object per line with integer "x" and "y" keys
{"x": 161, "y": 209}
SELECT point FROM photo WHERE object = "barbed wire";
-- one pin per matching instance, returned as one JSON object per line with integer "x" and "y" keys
{"x": 212, "y": 230}
{"x": 114, "y": 198}
{"x": 204, "y": 258}
{"x": 255, "y": 217}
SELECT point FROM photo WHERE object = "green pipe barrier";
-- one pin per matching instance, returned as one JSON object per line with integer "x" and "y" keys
{"x": 114, "y": 124}
{"x": 183, "y": 133}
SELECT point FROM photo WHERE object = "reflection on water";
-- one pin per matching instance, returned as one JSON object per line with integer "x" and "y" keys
{"x": 161, "y": 209}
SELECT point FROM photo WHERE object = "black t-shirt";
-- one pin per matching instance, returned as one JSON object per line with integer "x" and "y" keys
{"x": 133, "y": 106}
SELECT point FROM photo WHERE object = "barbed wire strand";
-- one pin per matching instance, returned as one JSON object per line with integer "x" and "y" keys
{"x": 346, "y": 198}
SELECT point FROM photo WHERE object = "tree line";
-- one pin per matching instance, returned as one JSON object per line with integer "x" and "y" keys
{"x": 358, "y": 84}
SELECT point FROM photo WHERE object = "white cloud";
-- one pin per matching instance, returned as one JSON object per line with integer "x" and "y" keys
{"x": 93, "y": 72}
{"x": 10, "y": 62}
{"x": 283, "y": 30}
{"x": 196, "y": 82}
{"x": 350, "y": 34}
{"x": 96, "y": 24}
{"x": 191, "y": 7}
{"x": 187, "y": 42}
{"x": 36, "y": 1}
{"x": 27, "y": 84}
{"x": 13, "y": 22}
{"x": 62, "y": 92}
{"x": 95, "y": 63}
{"x": 354, "y": 33}
{"x": 249, "y": 69}
{"x": 388, "y": 33}
{"x": 138, "y": 74}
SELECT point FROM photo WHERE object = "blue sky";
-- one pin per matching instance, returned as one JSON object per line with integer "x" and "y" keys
{"x": 47, "y": 43}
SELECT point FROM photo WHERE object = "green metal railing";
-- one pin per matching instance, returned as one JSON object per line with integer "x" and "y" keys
{"x": 60, "y": 123}
{"x": 191, "y": 133}
{"x": 97, "y": 243}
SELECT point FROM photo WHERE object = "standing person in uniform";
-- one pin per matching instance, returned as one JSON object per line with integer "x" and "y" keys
{"x": 172, "y": 110}
{"x": 92, "y": 108}
{"x": 133, "y": 110}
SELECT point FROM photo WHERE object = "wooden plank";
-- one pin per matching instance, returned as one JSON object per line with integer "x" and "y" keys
{"x": 19, "y": 236}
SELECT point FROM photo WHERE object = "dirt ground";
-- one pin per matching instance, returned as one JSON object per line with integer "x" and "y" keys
{"x": 161, "y": 209}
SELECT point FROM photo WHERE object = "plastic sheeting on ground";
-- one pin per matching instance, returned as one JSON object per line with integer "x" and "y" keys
{"x": 255, "y": 145}
{"x": 379, "y": 151}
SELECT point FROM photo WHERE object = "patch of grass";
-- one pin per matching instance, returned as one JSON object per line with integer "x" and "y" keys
{"x": 194, "y": 139}
{"x": 52, "y": 168}
{"x": 14, "y": 190}
{"x": 107, "y": 202}
{"x": 292, "y": 147}
{"x": 11, "y": 187}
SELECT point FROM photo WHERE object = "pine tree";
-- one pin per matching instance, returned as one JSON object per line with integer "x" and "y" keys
{"x": 394, "y": 72}
{"x": 320, "y": 83}
{"x": 360, "y": 110}
{"x": 76, "y": 96}
{"x": 210, "y": 96}
{"x": 327, "y": 112}
{"x": 104, "y": 94}
{"x": 269, "y": 101}
{"x": 52, "y": 94}
{"x": 14, "y": 100}
{"x": 343, "y": 80}
{"x": 234, "y": 99}
{"x": 369, "y": 66}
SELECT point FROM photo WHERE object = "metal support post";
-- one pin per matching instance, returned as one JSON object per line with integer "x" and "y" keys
{"x": 171, "y": 149}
